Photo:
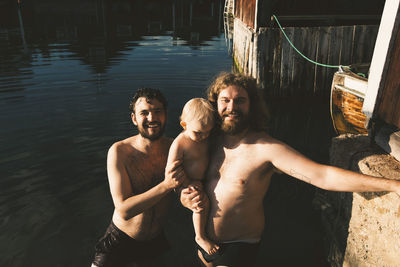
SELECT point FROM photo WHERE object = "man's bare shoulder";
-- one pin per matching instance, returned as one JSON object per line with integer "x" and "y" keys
{"x": 266, "y": 146}
{"x": 123, "y": 147}
{"x": 262, "y": 138}
{"x": 273, "y": 149}
{"x": 132, "y": 148}
{"x": 133, "y": 143}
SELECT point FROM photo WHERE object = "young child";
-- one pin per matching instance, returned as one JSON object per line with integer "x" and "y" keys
{"x": 191, "y": 146}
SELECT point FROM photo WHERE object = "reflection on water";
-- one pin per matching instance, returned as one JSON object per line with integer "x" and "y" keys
{"x": 65, "y": 100}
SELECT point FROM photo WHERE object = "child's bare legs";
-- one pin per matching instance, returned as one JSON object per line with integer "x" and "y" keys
{"x": 199, "y": 223}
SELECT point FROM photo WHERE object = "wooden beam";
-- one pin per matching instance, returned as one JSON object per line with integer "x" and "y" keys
{"x": 381, "y": 57}
{"x": 256, "y": 17}
{"x": 327, "y": 17}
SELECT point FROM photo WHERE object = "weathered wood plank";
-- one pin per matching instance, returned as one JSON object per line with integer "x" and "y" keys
{"x": 333, "y": 55}
{"x": 245, "y": 10}
{"x": 363, "y": 45}
{"x": 346, "y": 45}
{"x": 313, "y": 71}
{"x": 277, "y": 62}
{"x": 286, "y": 64}
{"x": 299, "y": 74}
{"x": 396, "y": 111}
{"x": 316, "y": 40}
{"x": 389, "y": 106}
{"x": 285, "y": 72}
{"x": 276, "y": 66}
{"x": 269, "y": 41}
{"x": 303, "y": 71}
{"x": 261, "y": 57}
{"x": 370, "y": 43}
{"x": 322, "y": 57}
{"x": 338, "y": 37}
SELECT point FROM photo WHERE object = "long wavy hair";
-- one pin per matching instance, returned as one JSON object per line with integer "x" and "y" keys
{"x": 258, "y": 113}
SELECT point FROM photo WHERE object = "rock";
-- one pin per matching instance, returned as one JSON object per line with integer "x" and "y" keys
{"x": 363, "y": 229}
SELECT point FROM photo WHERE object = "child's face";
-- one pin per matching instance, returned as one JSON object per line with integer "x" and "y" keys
{"x": 196, "y": 131}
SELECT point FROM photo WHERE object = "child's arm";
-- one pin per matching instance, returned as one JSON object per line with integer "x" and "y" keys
{"x": 176, "y": 154}
{"x": 175, "y": 151}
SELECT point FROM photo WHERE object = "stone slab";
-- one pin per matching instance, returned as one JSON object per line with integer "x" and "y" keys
{"x": 363, "y": 229}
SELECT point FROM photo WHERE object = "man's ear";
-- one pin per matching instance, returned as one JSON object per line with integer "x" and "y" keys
{"x": 183, "y": 124}
{"x": 133, "y": 118}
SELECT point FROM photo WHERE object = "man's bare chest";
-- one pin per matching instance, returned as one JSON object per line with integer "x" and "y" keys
{"x": 237, "y": 164}
{"x": 145, "y": 173}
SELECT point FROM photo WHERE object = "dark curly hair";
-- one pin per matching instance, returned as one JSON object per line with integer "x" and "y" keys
{"x": 258, "y": 113}
{"x": 148, "y": 93}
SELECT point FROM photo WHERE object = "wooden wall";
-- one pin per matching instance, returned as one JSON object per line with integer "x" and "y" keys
{"x": 283, "y": 72}
{"x": 245, "y": 10}
{"x": 389, "y": 105}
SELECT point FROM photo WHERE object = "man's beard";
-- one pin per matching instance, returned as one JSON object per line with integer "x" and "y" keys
{"x": 152, "y": 137}
{"x": 236, "y": 126}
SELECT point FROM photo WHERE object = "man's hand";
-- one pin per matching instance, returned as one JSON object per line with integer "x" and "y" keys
{"x": 196, "y": 185}
{"x": 174, "y": 175}
{"x": 192, "y": 199}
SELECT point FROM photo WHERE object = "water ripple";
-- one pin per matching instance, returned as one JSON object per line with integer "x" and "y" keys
{"x": 61, "y": 107}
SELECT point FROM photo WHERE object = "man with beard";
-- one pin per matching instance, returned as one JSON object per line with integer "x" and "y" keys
{"x": 139, "y": 184}
{"x": 242, "y": 162}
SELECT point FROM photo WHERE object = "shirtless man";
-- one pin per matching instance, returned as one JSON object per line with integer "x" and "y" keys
{"x": 242, "y": 162}
{"x": 139, "y": 185}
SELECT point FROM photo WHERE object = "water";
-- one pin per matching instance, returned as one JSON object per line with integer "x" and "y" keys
{"x": 64, "y": 99}
{"x": 63, "y": 103}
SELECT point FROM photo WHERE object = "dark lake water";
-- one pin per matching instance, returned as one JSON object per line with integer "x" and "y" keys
{"x": 64, "y": 97}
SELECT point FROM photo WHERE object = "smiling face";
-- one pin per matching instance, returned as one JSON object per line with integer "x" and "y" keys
{"x": 196, "y": 131}
{"x": 149, "y": 116}
{"x": 233, "y": 108}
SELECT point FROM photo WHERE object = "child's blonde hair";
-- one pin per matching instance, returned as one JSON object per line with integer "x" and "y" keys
{"x": 198, "y": 109}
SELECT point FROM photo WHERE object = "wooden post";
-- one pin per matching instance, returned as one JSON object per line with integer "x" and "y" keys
{"x": 381, "y": 57}
{"x": 190, "y": 13}
{"x": 173, "y": 17}
{"x": 219, "y": 17}
{"x": 182, "y": 10}
{"x": 256, "y": 17}
{"x": 104, "y": 20}
{"x": 381, "y": 101}
{"x": 21, "y": 25}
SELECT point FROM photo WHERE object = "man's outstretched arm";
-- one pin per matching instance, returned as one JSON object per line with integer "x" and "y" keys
{"x": 327, "y": 177}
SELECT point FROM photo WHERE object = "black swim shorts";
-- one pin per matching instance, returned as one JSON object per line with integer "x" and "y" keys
{"x": 116, "y": 248}
{"x": 235, "y": 254}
